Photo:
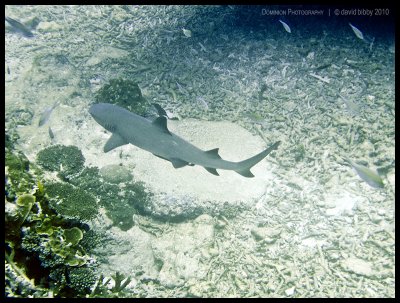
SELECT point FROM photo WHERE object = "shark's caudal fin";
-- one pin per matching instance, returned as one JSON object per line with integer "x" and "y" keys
{"x": 244, "y": 166}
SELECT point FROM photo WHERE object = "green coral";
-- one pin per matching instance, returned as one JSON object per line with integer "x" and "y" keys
{"x": 88, "y": 179}
{"x": 71, "y": 202}
{"x": 54, "y": 245}
{"x": 91, "y": 240}
{"x": 119, "y": 208}
{"x": 124, "y": 93}
{"x": 45, "y": 227}
{"x": 115, "y": 174}
{"x": 43, "y": 246}
{"x": 25, "y": 203}
{"x": 66, "y": 160}
{"x": 73, "y": 235}
{"x": 15, "y": 216}
{"x": 18, "y": 178}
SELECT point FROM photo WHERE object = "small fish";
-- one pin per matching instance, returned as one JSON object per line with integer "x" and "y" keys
{"x": 203, "y": 102}
{"x": 19, "y": 27}
{"x": 357, "y": 32}
{"x": 285, "y": 26}
{"x": 8, "y": 70}
{"x": 187, "y": 33}
{"x": 368, "y": 175}
{"x": 351, "y": 106}
{"x": 51, "y": 133}
{"x": 44, "y": 117}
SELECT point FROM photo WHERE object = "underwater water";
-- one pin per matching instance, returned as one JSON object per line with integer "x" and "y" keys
{"x": 90, "y": 216}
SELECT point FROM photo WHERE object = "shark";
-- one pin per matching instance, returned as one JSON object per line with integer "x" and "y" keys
{"x": 154, "y": 136}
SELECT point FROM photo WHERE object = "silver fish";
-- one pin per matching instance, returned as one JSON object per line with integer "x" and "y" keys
{"x": 357, "y": 32}
{"x": 351, "y": 106}
{"x": 51, "y": 134}
{"x": 187, "y": 32}
{"x": 19, "y": 27}
{"x": 44, "y": 117}
{"x": 368, "y": 175}
{"x": 285, "y": 26}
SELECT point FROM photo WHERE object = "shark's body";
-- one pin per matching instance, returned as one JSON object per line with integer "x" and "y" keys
{"x": 154, "y": 136}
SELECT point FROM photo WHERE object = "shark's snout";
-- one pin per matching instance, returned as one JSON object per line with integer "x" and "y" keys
{"x": 100, "y": 111}
{"x": 94, "y": 109}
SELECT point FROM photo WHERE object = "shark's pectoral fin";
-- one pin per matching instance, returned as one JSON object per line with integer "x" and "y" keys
{"x": 178, "y": 163}
{"x": 114, "y": 142}
{"x": 212, "y": 170}
{"x": 213, "y": 153}
{"x": 161, "y": 123}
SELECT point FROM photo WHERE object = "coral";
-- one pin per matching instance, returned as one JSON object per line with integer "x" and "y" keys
{"x": 19, "y": 116}
{"x": 17, "y": 284}
{"x": 25, "y": 203}
{"x": 299, "y": 152}
{"x": 15, "y": 216}
{"x": 53, "y": 250}
{"x": 71, "y": 202}
{"x": 121, "y": 208}
{"x": 124, "y": 93}
{"x": 91, "y": 240}
{"x": 18, "y": 178}
{"x": 102, "y": 290}
{"x": 45, "y": 227}
{"x": 119, "y": 285}
{"x": 115, "y": 174}
{"x": 81, "y": 279}
{"x": 73, "y": 235}
{"x": 66, "y": 160}
{"x": 11, "y": 137}
{"x": 120, "y": 204}
{"x": 88, "y": 179}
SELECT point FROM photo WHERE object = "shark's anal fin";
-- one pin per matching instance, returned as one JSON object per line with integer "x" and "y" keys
{"x": 161, "y": 157}
{"x": 178, "y": 163}
{"x": 213, "y": 153}
{"x": 161, "y": 123}
{"x": 212, "y": 170}
{"x": 114, "y": 142}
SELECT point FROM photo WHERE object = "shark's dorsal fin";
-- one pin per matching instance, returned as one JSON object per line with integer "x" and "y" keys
{"x": 212, "y": 170}
{"x": 213, "y": 153}
{"x": 160, "y": 110}
{"x": 161, "y": 123}
{"x": 114, "y": 142}
{"x": 178, "y": 163}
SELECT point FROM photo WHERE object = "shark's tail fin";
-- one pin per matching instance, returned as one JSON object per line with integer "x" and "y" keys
{"x": 245, "y": 165}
